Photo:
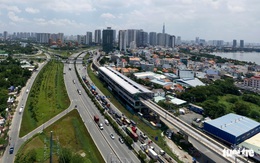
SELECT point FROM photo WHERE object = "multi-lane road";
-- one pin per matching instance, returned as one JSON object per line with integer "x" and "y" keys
{"x": 111, "y": 149}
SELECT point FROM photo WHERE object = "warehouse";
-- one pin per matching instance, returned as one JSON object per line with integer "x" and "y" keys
{"x": 232, "y": 128}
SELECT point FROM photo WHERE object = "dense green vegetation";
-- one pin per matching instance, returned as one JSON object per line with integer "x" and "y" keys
{"x": 47, "y": 98}
{"x": 68, "y": 144}
{"x": 15, "y": 48}
{"x": 222, "y": 97}
{"x": 11, "y": 74}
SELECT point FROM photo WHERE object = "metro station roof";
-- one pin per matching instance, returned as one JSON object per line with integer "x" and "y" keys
{"x": 129, "y": 85}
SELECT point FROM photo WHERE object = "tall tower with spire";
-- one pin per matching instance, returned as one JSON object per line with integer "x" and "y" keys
{"x": 163, "y": 30}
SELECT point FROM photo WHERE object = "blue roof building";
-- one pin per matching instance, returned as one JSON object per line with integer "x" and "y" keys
{"x": 232, "y": 128}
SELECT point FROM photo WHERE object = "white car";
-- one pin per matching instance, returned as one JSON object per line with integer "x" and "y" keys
{"x": 112, "y": 136}
{"x": 121, "y": 140}
{"x": 100, "y": 126}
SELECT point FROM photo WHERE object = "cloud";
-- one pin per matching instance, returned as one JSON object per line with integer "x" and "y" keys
{"x": 10, "y": 8}
{"x": 32, "y": 10}
{"x": 77, "y": 6}
{"x": 15, "y": 18}
{"x": 107, "y": 16}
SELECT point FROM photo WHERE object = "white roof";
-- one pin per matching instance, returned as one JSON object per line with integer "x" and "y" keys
{"x": 128, "y": 84}
{"x": 177, "y": 101}
{"x": 192, "y": 82}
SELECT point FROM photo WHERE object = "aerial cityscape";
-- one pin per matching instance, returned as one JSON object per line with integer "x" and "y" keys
{"x": 138, "y": 81}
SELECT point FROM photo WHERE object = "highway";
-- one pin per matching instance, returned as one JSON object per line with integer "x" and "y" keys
{"x": 208, "y": 142}
{"x": 111, "y": 150}
{"x": 121, "y": 150}
{"x": 17, "y": 119}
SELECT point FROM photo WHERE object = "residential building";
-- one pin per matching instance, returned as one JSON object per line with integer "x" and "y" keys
{"x": 241, "y": 44}
{"x": 234, "y": 43}
{"x": 153, "y": 38}
{"x": 253, "y": 82}
{"x": 89, "y": 38}
{"x": 97, "y": 36}
{"x": 5, "y": 35}
{"x": 122, "y": 38}
{"x": 108, "y": 40}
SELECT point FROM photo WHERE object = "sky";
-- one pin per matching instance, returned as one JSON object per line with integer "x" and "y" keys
{"x": 207, "y": 19}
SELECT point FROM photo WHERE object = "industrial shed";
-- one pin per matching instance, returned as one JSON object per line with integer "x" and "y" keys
{"x": 232, "y": 128}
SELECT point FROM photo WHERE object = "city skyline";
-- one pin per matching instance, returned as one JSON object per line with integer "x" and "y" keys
{"x": 206, "y": 19}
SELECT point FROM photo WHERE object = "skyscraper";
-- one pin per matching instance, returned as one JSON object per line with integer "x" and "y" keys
{"x": 161, "y": 39}
{"x": 108, "y": 39}
{"x": 163, "y": 31}
{"x": 5, "y": 35}
{"x": 122, "y": 40}
{"x": 152, "y": 38}
{"x": 241, "y": 44}
{"x": 143, "y": 39}
{"x": 131, "y": 36}
{"x": 89, "y": 38}
{"x": 98, "y": 36}
{"x": 234, "y": 43}
{"x": 197, "y": 40}
{"x": 172, "y": 41}
{"x": 178, "y": 40}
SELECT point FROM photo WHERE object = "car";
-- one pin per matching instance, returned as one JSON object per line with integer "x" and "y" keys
{"x": 121, "y": 140}
{"x": 11, "y": 150}
{"x": 100, "y": 126}
{"x": 112, "y": 136}
{"x": 106, "y": 122}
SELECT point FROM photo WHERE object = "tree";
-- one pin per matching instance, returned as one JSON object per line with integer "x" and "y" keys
{"x": 213, "y": 109}
{"x": 242, "y": 108}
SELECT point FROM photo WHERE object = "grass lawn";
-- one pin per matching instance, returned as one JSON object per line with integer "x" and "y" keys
{"x": 74, "y": 137}
{"x": 48, "y": 97}
{"x": 152, "y": 133}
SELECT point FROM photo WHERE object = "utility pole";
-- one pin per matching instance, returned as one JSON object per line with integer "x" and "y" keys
{"x": 51, "y": 148}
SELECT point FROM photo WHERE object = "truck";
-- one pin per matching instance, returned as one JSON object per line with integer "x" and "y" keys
{"x": 152, "y": 154}
{"x": 132, "y": 134}
{"x": 96, "y": 118}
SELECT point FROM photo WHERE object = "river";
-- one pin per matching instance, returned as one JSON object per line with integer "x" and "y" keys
{"x": 241, "y": 56}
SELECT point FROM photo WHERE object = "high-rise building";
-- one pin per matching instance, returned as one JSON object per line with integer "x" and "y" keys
{"x": 234, "y": 43}
{"x": 197, "y": 40}
{"x": 172, "y": 41}
{"x": 152, "y": 38}
{"x": 163, "y": 31}
{"x": 143, "y": 39}
{"x": 89, "y": 38}
{"x": 178, "y": 40}
{"x": 108, "y": 39}
{"x": 98, "y": 36}
{"x": 241, "y": 44}
{"x": 5, "y": 35}
{"x": 122, "y": 40}
{"x": 131, "y": 36}
{"x": 161, "y": 39}
{"x": 43, "y": 37}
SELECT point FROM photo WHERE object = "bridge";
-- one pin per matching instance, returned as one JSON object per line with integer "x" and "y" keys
{"x": 196, "y": 137}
